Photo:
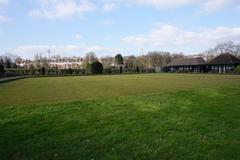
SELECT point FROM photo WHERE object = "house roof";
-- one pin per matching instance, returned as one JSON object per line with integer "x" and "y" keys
{"x": 225, "y": 58}
{"x": 187, "y": 62}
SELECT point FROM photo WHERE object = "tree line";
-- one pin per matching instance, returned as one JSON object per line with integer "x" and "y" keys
{"x": 91, "y": 64}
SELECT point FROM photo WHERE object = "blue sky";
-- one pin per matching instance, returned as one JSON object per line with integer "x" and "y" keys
{"x": 108, "y": 27}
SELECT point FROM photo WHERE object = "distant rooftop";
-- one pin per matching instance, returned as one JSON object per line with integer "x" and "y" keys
{"x": 187, "y": 62}
{"x": 225, "y": 58}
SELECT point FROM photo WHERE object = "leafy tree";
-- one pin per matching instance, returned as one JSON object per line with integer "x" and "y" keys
{"x": 119, "y": 62}
{"x": 118, "y": 59}
{"x": 97, "y": 67}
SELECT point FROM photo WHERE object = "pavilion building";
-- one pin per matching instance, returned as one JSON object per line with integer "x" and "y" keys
{"x": 196, "y": 65}
{"x": 224, "y": 63}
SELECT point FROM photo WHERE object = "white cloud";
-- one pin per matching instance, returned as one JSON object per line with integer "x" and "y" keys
{"x": 165, "y": 3}
{"x": 108, "y": 37}
{"x": 4, "y": 19}
{"x": 204, "y": 5}
{"x": 62, "y": 9}
{"x": 108, "y": 7}
{"x": 107, "y": 22}
{"x": 3, "y": 1}
{"x": 216, "y": 5}
{"x": 77, "y": 36}
{"x": 169, "y": 36}
{"x": 28, "y": 51}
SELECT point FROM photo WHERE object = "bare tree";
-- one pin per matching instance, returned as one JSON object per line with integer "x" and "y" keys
{"x": 9, "y": 60}
{"x": 90, "y": 57}
{"x": 37, "y": 60}
{"x": 107, "y": 61}
{"x": 131, "y": 62}
{"x": 143, "y": 62}
{"x": 225, "y": 47}
{"x": 159, "y": 59}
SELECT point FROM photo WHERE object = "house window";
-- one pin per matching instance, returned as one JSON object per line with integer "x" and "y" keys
{"x": 215, "y": 68}
{"x": 229, "y": 68}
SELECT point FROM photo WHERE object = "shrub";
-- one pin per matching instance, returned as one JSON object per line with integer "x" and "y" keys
{"x": 107, "y": 70}
{"x": 115, "y": 70}
{"x": 83, "y": 71}
{"x": 76, "y": 71}
{"x": 70, "y": 71}
{"x": 11, "y": 73}
{"x": 237, "y": 69}
{"x": 137, "y": 69}
{"x": 121, "y": 70}
{"x": 96, "y": 67}
{"x": 1, "y": 68}
{"x": 43, "y": 70}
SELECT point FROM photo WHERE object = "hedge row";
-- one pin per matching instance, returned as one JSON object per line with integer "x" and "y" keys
{"x": 43, "y": 71}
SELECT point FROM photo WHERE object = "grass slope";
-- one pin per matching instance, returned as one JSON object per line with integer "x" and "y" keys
{"x": 62, "y": 89}
{"x": 194, "y": 124}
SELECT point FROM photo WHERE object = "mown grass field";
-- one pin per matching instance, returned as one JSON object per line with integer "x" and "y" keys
{"x": 155, "y": 116}
{"x": 65, "y": 89}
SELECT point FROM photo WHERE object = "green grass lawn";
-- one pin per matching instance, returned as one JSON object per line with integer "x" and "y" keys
{"x": 65, "y": 89}
{"x": 156, "y": 116}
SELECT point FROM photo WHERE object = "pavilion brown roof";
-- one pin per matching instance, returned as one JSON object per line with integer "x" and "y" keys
{"x": 225, "y": 58}
{"x": 187, "y": 62}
